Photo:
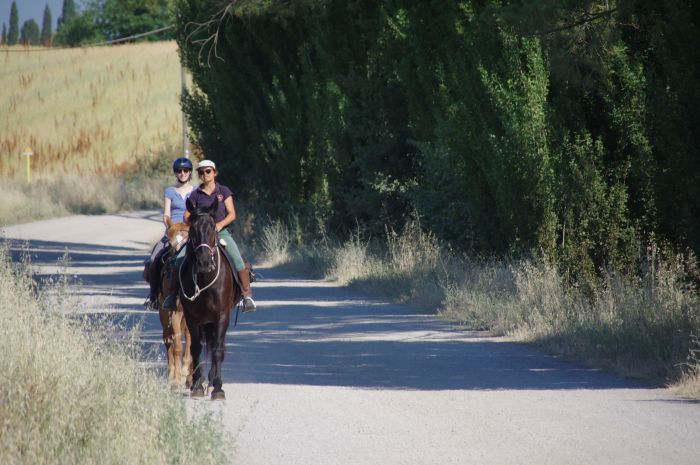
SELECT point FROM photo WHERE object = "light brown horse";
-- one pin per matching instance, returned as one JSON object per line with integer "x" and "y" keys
{"x": 174, "y": 327}
{"x": 173, "y": 322}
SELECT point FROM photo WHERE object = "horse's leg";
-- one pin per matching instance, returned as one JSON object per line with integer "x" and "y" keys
{"x": 211, "y": 344}
{"x": 167, "y": 340}
{"x": 187, "y": 362}
{"x": 196, "y": 350}
{"x": 176, "y": 318}
{"x": 217, "y": 357}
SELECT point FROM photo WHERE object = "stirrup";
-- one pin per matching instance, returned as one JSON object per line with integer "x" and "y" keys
{"x": 249, "y": 305}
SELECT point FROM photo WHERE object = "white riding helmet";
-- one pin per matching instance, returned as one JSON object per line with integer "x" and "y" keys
{"x": 206, "y": 164}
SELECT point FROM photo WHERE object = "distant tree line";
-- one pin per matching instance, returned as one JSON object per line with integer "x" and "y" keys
{"x": 562, "y": 129}
{"x": 99, "y": 20}
{"x": 29, "y": 33}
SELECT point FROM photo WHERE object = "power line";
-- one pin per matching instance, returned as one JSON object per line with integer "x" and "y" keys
{"x": 123, "y": 39}
{"x": 96, "y": 44}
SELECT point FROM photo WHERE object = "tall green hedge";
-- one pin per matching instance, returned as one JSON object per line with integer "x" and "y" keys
{"x": 557, "y": 128}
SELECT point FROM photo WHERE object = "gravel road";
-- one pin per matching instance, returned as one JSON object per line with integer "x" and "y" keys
{"x": 322, "y": 375}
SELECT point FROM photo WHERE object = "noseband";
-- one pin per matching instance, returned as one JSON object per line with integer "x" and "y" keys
{"x": 211, "y": 250}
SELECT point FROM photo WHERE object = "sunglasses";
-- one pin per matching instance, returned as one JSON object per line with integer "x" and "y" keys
{"x": 183, "y": 170}
{"x": 206, "y": 171}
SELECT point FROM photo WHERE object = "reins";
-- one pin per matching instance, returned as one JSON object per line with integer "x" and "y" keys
{"x": 197, "y": 289}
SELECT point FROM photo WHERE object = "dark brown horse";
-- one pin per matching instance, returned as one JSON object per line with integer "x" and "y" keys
{"x": 208, "y": 293}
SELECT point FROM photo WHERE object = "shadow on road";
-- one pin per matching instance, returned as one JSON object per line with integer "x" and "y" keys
{"x": 314, "y": 333}
{"x": 327, "y": 336}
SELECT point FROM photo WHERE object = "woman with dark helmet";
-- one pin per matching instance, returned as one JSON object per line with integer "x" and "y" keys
{"x": 173, "y": 212}
{"x": 208, "y": 193}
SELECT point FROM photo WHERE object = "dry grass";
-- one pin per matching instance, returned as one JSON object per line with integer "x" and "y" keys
{"x": 87, "y": 111}
{"x": 275, "y": 244}
{"x": 71, "y": 194}
{"x": 73, "y": 391}
{"x": 639, "y": 328}
{"x": 102, "y": 123}
{"x": 688, "y": 386}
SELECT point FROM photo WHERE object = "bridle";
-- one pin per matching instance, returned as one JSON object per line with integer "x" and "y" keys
{"x": 197, "y": 289}
{"x": 211, "y": 250}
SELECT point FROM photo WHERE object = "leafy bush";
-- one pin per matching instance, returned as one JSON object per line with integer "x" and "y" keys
{"x": 549, "y": 129}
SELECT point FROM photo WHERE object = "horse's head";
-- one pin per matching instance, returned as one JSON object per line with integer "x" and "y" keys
{"x": 177, "y": 235}
{"x": 203, "y": 238}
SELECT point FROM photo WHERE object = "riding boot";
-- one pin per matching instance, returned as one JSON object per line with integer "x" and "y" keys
{"x": 154, "y": 283}
{"x": 248, "y": 302}
{"x": 170, "y": 302}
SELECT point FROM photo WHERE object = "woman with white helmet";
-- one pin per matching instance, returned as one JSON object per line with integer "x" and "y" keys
{"x": 208, "y": 193}
{"x": 173, "y": 212}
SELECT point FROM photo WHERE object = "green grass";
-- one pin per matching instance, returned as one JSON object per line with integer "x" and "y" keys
{"x": 73, "y": 390}
{"x": 641, "y": 328}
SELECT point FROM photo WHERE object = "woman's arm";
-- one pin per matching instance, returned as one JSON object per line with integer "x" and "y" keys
{"x": 166, "y": 213}
{"x": 189, "y": 206}
{"x": 230, "y": 214}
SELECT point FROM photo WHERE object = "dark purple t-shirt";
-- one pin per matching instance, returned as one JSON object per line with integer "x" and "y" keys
{"x": 200, "y": 199}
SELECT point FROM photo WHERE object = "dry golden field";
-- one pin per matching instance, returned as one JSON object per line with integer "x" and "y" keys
{"x": 92, "y": 110}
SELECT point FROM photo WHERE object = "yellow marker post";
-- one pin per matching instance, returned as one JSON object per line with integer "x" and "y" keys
{"x": 28, "y": 152}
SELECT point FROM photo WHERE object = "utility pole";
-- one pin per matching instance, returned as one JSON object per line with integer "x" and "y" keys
{"x": 185, "y": 140}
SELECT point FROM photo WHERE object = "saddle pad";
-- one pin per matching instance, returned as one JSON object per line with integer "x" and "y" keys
{"x": 223, "y": 253}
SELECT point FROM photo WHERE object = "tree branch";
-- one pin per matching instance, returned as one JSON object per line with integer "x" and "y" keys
{"x": 213, "y": 38}
{"x": 587, "y": 18}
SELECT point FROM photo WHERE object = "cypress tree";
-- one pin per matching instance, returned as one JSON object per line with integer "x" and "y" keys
{"x": 67, "y": 13}
{"x": 46, "y": 27}
{"x": 29, "y": 34}
{"x": 13, "y": 34}
{"x": 3, "y": 39}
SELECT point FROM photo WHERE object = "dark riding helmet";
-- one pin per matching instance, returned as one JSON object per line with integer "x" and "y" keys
{"x": 182, "y": 163}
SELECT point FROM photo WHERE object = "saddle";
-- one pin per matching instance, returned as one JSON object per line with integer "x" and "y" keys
{"x": 249, "y": 266}
{"x": 177, "y": 236}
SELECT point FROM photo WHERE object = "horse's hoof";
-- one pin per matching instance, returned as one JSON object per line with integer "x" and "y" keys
{"x": 218, "y": 395}
{"x": 198, "y": 392}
